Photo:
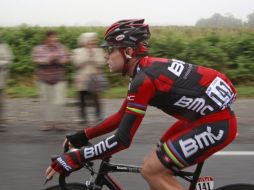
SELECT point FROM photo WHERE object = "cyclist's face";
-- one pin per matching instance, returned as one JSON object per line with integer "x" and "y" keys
{"x": 114, "y": 59}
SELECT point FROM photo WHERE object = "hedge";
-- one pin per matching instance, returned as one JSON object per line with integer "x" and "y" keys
{"x": 228, "y": 50}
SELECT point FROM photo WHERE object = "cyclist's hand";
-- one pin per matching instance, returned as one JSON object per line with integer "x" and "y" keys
{"x": 67, "y": 145}
{"x": 50, "y": 172}
{"x": 65, "y": 164}
{"x": 77, "y": 139}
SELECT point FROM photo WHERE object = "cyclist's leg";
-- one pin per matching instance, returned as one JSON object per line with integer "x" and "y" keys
{"x": 153, "y": 168}
{"x": 193, "y": 143}
{"x": 157, "y": 175}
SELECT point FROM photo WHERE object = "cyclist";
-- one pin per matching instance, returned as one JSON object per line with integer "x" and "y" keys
{"x": 198, "y": 97}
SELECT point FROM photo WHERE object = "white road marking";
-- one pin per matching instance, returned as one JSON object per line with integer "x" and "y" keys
{"x": 234, "y": 153}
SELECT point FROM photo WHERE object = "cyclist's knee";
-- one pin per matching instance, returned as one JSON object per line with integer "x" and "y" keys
{"x": 148, "y": 170}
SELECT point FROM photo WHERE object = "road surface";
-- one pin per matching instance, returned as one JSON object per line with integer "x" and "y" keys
{"x": 25, "y": 151}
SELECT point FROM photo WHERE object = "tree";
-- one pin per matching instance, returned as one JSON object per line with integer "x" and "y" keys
{"x": 250, "y": 20}
{"x": 217, "y": 20}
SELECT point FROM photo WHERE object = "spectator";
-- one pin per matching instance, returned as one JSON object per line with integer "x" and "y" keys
{"x": 51, "y": 57}
{"x": 6, "y": 58}
{"x": 88, "y": 59}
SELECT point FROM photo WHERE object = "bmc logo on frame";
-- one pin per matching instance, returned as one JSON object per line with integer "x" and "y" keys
{"x": 200, "y": 141}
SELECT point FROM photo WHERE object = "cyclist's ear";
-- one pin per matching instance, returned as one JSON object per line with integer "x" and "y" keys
{"x": 128, "y": 52}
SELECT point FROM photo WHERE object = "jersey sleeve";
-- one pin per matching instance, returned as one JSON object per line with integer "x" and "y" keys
{"x": 129, "y": 119}
{"x": 140, "y": 92}
{"x": 108, "y": 125}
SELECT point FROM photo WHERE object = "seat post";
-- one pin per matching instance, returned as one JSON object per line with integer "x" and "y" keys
{"x": 196, "y": 175}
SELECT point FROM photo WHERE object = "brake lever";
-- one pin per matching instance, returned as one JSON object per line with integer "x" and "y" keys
{"x": 47, "y": 180}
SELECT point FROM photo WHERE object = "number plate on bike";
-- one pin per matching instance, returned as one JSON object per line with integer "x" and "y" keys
{"x": 205, "y": 183}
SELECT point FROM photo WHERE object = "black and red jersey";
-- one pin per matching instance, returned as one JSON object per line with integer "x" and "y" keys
{"x": 180, "y": 89}
{"x": 185, "y": 91}
{"x": 190, "y": 93}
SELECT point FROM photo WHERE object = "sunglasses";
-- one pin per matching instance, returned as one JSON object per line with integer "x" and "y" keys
{"x": 110, "y": 49}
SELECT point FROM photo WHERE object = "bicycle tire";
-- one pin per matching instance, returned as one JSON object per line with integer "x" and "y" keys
{"x": 70, "y": 186}
{"x": 237, "y": 187}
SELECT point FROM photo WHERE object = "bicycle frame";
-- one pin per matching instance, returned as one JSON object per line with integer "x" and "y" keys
{"x": 103, "y": 177}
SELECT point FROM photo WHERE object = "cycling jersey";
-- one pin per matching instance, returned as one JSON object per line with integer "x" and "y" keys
{"x": 185, "y": 91}
{"x": 182, "y": 90}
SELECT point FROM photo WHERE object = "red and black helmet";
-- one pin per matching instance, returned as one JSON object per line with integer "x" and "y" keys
{"x": 127, "y": 33}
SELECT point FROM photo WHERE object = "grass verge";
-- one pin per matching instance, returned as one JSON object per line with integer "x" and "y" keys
{"x": 22, "y": 91}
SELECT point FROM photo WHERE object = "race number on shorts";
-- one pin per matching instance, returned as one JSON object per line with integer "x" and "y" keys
{"x": 220, "y": 92}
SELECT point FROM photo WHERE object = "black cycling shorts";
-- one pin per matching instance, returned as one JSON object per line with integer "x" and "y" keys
{"x": 188, "y": 143}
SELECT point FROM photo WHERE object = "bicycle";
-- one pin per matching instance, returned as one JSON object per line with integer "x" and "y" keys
{"x": 104, "y": 179}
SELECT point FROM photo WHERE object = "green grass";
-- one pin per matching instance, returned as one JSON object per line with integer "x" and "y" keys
{"x": 116, "y": 92}
{"x": 245, "y": 91}
{"x": 22, "y": 91}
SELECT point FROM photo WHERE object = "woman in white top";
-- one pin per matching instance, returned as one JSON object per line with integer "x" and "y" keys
{"x": 88, "y": 59}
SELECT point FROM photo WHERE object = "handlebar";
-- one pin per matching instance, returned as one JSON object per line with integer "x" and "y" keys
{"x": 62, "y": 177}
{"x": 62, "y": 182}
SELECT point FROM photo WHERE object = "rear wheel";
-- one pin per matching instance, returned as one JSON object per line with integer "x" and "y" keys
{"x": 70, "y": 186}
{"x": 237, "y": 187}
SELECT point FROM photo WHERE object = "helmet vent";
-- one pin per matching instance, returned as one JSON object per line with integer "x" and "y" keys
{"x": 133, "y": 38}
{"x": 120, "y": 37}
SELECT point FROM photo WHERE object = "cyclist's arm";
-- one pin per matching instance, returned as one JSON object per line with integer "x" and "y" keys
{"x": 81, "y": 138}
{"x": 132, "y": 117}
{"x": 108, "y": 125}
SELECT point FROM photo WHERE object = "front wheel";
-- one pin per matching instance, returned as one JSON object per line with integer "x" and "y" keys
{"x": 70, "y": 186}
{"x": 237, "y": 187}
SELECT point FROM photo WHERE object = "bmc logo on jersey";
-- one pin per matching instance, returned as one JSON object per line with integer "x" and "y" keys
{"x": 205, "y": 139}
{"x": 64, "y": 164}
{"x": 100, "y": 147}
{"x": 176, "y": 67}
{"x": 195, "y": 104}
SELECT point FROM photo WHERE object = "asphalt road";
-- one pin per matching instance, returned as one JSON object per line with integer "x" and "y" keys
{"x": 25, "y": 151}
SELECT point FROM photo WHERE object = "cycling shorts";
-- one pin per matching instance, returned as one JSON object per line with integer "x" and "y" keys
{"x": 188, "y": 143}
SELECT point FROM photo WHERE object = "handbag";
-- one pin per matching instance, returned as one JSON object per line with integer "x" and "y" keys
{"x": 97, "y": 83}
